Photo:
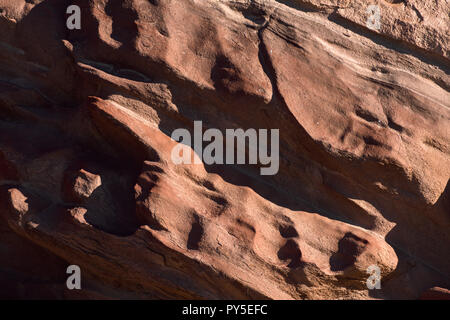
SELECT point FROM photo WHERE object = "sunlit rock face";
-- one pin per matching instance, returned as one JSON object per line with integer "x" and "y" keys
{"x": 87, "y": 176}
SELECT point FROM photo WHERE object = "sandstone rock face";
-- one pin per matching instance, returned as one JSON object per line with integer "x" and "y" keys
{"x": 436, "y": 293}
{"x": 86, "y": 175}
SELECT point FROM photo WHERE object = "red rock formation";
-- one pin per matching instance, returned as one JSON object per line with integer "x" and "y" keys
{"x": 86, "y": 175}
{"x": 436, "y": 293}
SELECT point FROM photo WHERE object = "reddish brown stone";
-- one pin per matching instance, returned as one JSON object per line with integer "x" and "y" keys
{"x": 436, "y": 293}
{"x": 86, "y": 118}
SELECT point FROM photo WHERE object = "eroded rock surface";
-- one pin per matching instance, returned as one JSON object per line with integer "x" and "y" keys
{"x": 86, "y": 175}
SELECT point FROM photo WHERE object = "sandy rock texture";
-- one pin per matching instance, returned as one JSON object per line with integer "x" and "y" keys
{"x": 86, "y": 175}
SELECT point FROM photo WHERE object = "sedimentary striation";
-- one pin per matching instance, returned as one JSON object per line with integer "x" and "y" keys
{"x": 86, "y": 176}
